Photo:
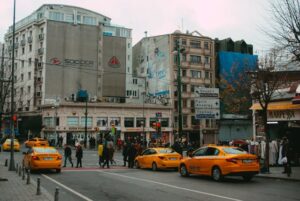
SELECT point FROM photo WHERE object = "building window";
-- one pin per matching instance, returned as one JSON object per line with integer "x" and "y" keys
{"x": 195, "y": 74}
{"x": 89, "y": 20}
{"x": 183, "y": 57}
{"x": 22, "y": 77}
{"x": 184, "y": 103}
{"x": 69, "y": 18}
{"x": 134, "y": 81}
{"x": 183, "y": 42}
{"x": 22, "y": 63}
{"x": 23, "y": 50}
{"x": 207, "y": 123}
{"x": 30, "y": 48}
{"x": 28, "y": 89}
{"x": 48, "y": 121}
{"x": 88, "y": 122}
{"x": 29, "y": 75}
{"x": 78, "y": 19}
{"x": 184, "y": 121}
{"x": 56, "y": 16}
{"x": 129, "y": 122}
{"x": 206, "y": 45}
{"x": 115, "y": 120}
{"x": 28, "y": 103}
{"x": 183, "y": 73}
{"x": 102, "y": 121}
{"x": 192, "y": 88}
{"x": 164, "y": 122}
{"x": 140, "y": 122}
{"x": 206, "y": 60}
{"x": 72, "y": 121}
{"x": 29, "y": 61}
{"x": 192, "y": 103}
{"x": 21, "y": 91}
{"x": 195, "y": 121}
{"x": 129, "y": 45}
{"x": 195, "y": 44}
{"x": 128, "y": 57}
{"x": 206, "y": 75}
{"x": 184, "y": 88}
{"x": 195, "y": 59}
{"x": 153, "y": 120}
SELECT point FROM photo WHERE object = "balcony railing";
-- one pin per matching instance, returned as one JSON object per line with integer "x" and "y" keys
{"x": 41, "y": 36}
{"x": 29, "y": 39}
{"x": 23, "y": 42}
{"x": 41, "y": 50}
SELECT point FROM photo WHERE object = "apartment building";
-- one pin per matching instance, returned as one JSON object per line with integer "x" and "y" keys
{"x": 61, "y": 50}
{"x": 155, "y": 61}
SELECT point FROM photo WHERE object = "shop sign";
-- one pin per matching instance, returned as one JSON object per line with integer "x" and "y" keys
{"x": 134, "y": 129}
{"x": 283, "y": 115}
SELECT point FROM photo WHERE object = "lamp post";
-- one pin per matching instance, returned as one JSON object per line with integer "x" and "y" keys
{"x": 54, "y": 123}
{"x": 12, "y": 136}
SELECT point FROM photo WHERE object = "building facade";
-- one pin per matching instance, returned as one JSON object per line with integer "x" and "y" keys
{"x": 155, "y": 61}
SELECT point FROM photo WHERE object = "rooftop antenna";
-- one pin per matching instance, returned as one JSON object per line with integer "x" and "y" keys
{"x": 146, "y": 33}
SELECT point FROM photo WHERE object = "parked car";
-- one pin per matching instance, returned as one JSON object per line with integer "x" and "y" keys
{"x": 36, "y": 142}
{"x": 43, "y": 157}
{"x": 158, "y": 158}
{"x": 7, "y": 145}
{"x": 220, "y": 161}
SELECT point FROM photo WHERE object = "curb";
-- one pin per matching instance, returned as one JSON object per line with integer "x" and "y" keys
{"x": 280, "y": 178}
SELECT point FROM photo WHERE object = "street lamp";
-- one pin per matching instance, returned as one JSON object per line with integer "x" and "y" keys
{"x": 12, "y": 136}
{"x": 54, "y": 123}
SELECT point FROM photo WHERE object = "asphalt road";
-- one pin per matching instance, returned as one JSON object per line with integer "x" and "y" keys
{"x": 119, "y": 183}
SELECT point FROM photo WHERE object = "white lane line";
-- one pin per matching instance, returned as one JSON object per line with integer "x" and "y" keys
{"x": 171, "y": 186}
{"x": 67, "y": 188}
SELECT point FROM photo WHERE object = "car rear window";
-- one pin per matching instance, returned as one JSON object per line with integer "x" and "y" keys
{"x": 231, "y": 150}
{"x": 44, "y": 150}
{"x": 166, "y": 151}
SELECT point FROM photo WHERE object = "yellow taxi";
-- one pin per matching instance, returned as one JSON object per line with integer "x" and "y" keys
{"x": 44, "y": 157}
{"x": 158, "y": 158}
{"x": 220, "y": 161}
{"x": 6, "y": 145}
{"x": 36, "y": 142}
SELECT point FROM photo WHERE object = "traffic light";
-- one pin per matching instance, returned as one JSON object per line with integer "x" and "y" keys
{"x": 158, "y": 125}
{"x": 15, "y": 121}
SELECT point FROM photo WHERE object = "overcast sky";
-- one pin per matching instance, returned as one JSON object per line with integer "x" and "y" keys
{"x": 238, "y": 19}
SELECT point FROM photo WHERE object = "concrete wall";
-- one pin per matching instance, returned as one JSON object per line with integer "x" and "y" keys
{"x": 78, "y": 44}
{"x": 114, "y": 76}
{"x": 235, "y": 129}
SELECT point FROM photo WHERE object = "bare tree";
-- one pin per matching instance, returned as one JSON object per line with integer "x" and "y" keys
{"x": 285, "y": 25}
{"x": 265, "y": 81}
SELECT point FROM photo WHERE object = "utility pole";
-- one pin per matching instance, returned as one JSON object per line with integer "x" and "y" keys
{"x": 85, "y": 123}
{"x": 12, "y": 108}
{"x": 179, "y": 89}
{"x": 1, "y": 88}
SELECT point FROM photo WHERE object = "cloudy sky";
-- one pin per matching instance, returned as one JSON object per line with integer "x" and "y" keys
{"x": 238, "y": 19}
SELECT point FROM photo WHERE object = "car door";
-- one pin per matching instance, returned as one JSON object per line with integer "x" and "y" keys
{"x": 195, "y": 163}
{"x": 151, "y": 157}
{"x": 209, "y": 160}
{"x": 141, "y": 158}
{"x": 27, "y": 157}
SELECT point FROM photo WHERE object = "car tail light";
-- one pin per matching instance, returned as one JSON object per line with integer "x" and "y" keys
{"x": 35, "y": 158}
{"x": 59, "y": 157}
{"x": 231, "y": 160}
{"x": 180, "y": 157}
{"x": 161, "y": 157}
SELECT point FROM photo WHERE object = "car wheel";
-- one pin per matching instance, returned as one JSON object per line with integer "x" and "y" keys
{"x": 137, "y": 165}
{"x": 154, "y": 166}
{"x": 183, "y": 171}
{"x": 58, "y": 170}
{"x": 247, "y": 177}
{"x": 217, "y": 174}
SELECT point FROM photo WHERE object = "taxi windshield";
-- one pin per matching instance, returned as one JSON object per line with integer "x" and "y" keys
{"x": 44, "y": 150}
{"x": 166, "y": 151}
{"x": 233, "y": 150}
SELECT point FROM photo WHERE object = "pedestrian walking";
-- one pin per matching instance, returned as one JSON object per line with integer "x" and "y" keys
{"x": 79, "y": 155}
{"x": 100, "y": 153}
{"x": 131, "y": 155}
{"x": 125, "y": 153}
{"x": 286, "y": 157}
{"x": 106, "y": 153}
{"x": 68, "y": 155}
{"x": 177, "y": 147}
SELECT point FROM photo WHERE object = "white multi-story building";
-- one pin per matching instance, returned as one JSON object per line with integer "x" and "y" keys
{"x": 62, "y": 54}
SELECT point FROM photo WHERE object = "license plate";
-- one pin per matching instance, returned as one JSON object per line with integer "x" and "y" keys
{"x": 173, "y": 159}
{"x": 48, "y": 159}
{"x": 247, "y": 161}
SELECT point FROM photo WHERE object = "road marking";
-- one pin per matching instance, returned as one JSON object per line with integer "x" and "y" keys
{"x": 67, "y": 188}
{"x": 169, "y": 185}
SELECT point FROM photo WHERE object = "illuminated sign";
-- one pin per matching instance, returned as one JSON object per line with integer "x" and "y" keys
{"x": 114, "y": 62}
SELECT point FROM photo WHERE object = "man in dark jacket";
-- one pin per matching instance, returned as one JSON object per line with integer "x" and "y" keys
{"x": 286, "y": 152}
{"x": 131, "y": 155}
{"x": 68, "y": 155}
{"x": 177, "y": 147}
{"x": 125, "y": 153}
{"x": 79, "y": 154}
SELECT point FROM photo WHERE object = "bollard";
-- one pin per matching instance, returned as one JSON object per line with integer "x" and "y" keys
{"x": 38, "y": 186}
{"x": 20, "y": 170}
{"x": 56, "y": 194}
{"x": 6, "y": 162}
{"x": 28, "y": 177}
{"x": 23, "y": 173}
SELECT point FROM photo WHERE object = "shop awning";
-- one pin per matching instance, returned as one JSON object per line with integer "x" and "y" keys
{"x": 283, "y": 105}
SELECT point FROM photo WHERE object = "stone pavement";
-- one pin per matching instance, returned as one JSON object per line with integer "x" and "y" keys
{"x": 276, "y": 173}
{"x": 16, "y": 189}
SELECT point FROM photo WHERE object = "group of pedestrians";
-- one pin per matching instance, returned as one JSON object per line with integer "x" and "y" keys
{"x": 106, "y": 152}
{"x": 68, "y": 155}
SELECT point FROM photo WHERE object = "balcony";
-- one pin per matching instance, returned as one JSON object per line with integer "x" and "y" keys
{"x": 23, "y": 42}
{"x": 29, "y": 39}
{"x": 16, "y": 45}
{"x": 41, "y": 50}
{"x": 38, "y": 94}
{"x": 38, "y": 79}
{"x": 10, "y": 48}
{"x": 41, "y": 36}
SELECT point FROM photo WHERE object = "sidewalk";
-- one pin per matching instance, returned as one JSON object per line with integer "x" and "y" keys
{"x": 16, "y": 189}
{"x": 276, "y": 173}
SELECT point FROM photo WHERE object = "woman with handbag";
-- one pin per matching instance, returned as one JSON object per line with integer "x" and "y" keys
{"x": 286, "y": 157}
